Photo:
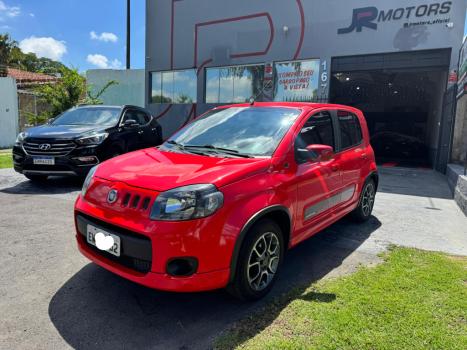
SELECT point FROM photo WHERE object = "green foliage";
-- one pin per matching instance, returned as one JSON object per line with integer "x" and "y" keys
{"x": 94, "y": 99}
{"x": 6, "y": 45}
{"x": 6, "y": 160}
{"x": 12, "y": 56}
{"x": 38, "y": 119}
{"x": 64, "y": 94}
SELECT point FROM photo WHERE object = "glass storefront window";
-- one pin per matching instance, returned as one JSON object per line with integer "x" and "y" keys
{"x": 296, "y": 81}
{"x": 233, "y": 84}
{"x": 176, "y": 87}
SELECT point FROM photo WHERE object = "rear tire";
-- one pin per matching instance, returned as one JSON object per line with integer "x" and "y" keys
{"x": 259, "y": 261}
{"x": 365, "y": 205}
{"x": 37, "y": 178}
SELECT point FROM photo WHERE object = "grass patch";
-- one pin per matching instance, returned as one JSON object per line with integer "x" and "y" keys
{"x": 413, "y": 300}
{"x": 6, "y": 160}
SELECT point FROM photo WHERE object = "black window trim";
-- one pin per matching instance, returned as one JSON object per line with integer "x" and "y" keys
{"x": 332, "y": 114}
{"x": 142, "y": 110}
{"x": 337, "y": 123}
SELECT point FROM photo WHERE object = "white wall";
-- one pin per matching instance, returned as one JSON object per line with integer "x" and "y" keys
{"x": 130, "y": 88}
{"x": 8, "y": 112}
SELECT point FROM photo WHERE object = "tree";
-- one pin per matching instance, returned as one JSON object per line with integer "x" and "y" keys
{"x": 31, "y": 63}
{"x": 64, "y": 94}
{"x": 11, "y": 55}
{"x": 6, "y": 45}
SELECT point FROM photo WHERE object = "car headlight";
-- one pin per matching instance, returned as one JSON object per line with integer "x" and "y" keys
{"x": 93, "y": 140}
{"x": 87, "y": 181}
{"x": 187, "y": 202}
{"x": 21, "y": 137}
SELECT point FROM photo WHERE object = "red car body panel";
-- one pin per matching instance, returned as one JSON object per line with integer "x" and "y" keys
{"x": 249, "y": 185}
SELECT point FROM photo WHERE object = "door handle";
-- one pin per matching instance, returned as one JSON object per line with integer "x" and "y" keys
{"x": 363, "y": 156}
{"x": 334, "y": 167}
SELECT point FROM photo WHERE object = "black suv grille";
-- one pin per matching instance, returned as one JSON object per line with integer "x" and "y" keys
{"x": 44, "y": 147}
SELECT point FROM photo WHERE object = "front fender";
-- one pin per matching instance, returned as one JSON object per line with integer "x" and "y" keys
{"x": 253, "y": 200}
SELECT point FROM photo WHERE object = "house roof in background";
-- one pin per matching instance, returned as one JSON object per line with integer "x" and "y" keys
{"x": 25, "y": 78}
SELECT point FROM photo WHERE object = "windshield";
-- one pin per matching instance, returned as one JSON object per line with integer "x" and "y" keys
{"x": 89, "y": 116}
{"x": 254, "y": 131}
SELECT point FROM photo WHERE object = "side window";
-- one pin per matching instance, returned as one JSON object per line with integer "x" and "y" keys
{"x": 135, "y": 115}
{"x": 142, "y": 118}
{"x": 349, "y": 126}
{"x": 317, "y": 130}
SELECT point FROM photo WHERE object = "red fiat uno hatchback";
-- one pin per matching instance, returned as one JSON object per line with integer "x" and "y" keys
{"x": 220, "y": 202}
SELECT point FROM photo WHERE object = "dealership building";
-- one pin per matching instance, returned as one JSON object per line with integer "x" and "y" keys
{"x": 395, "y": 60}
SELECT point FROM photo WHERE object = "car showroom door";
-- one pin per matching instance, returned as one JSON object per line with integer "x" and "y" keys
{"x": 318, "y": 182}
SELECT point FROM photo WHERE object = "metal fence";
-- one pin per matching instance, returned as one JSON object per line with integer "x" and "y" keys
{"x": 29, "y": 104}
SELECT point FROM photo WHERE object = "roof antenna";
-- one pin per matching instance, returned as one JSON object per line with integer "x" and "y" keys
{"x": 253, "y": 98}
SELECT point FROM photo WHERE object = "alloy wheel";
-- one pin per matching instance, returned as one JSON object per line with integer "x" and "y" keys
{"x": 263, "y": 261}
{"x": 368, "y": 199}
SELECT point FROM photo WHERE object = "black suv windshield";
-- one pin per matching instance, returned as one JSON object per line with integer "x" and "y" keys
{"x": 254, "y": 131}
{"x": 89, "y": 116}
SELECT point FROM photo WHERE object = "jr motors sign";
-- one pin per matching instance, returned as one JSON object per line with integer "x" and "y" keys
{"x": 424, "y": 14}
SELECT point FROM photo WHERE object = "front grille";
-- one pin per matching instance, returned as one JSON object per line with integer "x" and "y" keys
{"x": 139, "y": 265}
{"x": 135, "y": 201}
{"x": 44, "y": 147}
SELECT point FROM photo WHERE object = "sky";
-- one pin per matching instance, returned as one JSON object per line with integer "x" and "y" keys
{"x": 84, "y": 34}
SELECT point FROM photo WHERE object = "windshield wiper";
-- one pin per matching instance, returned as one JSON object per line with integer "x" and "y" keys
{"x": 183, "y": 147}
{"x": 220, "y": 150}
{"x": 179, "y": 145}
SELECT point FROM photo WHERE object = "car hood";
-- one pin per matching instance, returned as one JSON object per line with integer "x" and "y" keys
{"x": 160, "y": 170}
{"x": 64, "y": 132}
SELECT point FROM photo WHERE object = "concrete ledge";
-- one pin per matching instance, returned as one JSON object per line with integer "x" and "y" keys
{"x": 458, "y": 183}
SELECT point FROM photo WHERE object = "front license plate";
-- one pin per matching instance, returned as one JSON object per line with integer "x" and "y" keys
{"x": 91, "y": 234}
{"x": 44, "y": 160}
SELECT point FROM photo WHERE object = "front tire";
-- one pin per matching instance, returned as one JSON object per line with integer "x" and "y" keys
{"x": 259, "y": 261}
{"x": 365, "y": 205}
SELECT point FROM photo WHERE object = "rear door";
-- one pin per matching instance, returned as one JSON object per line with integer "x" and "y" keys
{"x": 318, "y": 183}
{"x": 351, "y": 152}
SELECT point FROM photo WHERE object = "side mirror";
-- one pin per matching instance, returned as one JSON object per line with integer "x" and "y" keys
{"x": 130, "y": 123}
{"x": 320, "y": 153}
{"x": 50, "y": 120}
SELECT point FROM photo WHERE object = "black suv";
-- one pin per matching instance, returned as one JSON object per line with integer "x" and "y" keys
{"x": 78, "y": 139}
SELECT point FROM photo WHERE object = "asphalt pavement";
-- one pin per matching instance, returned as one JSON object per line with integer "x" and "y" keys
{"x": 52, "y": 297}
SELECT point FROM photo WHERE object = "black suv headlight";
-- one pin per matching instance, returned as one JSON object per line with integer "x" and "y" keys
{"x": 187, "y": 202}
{"x": 93, "y": 139}
{"x": 21, "y": 136}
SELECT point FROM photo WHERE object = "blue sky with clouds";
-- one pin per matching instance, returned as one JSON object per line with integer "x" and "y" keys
{"x": 81, "y": 33}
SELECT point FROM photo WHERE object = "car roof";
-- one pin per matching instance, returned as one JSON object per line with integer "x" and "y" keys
{"x": 108, "y": 106}
{"x": 306, "y": 106}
